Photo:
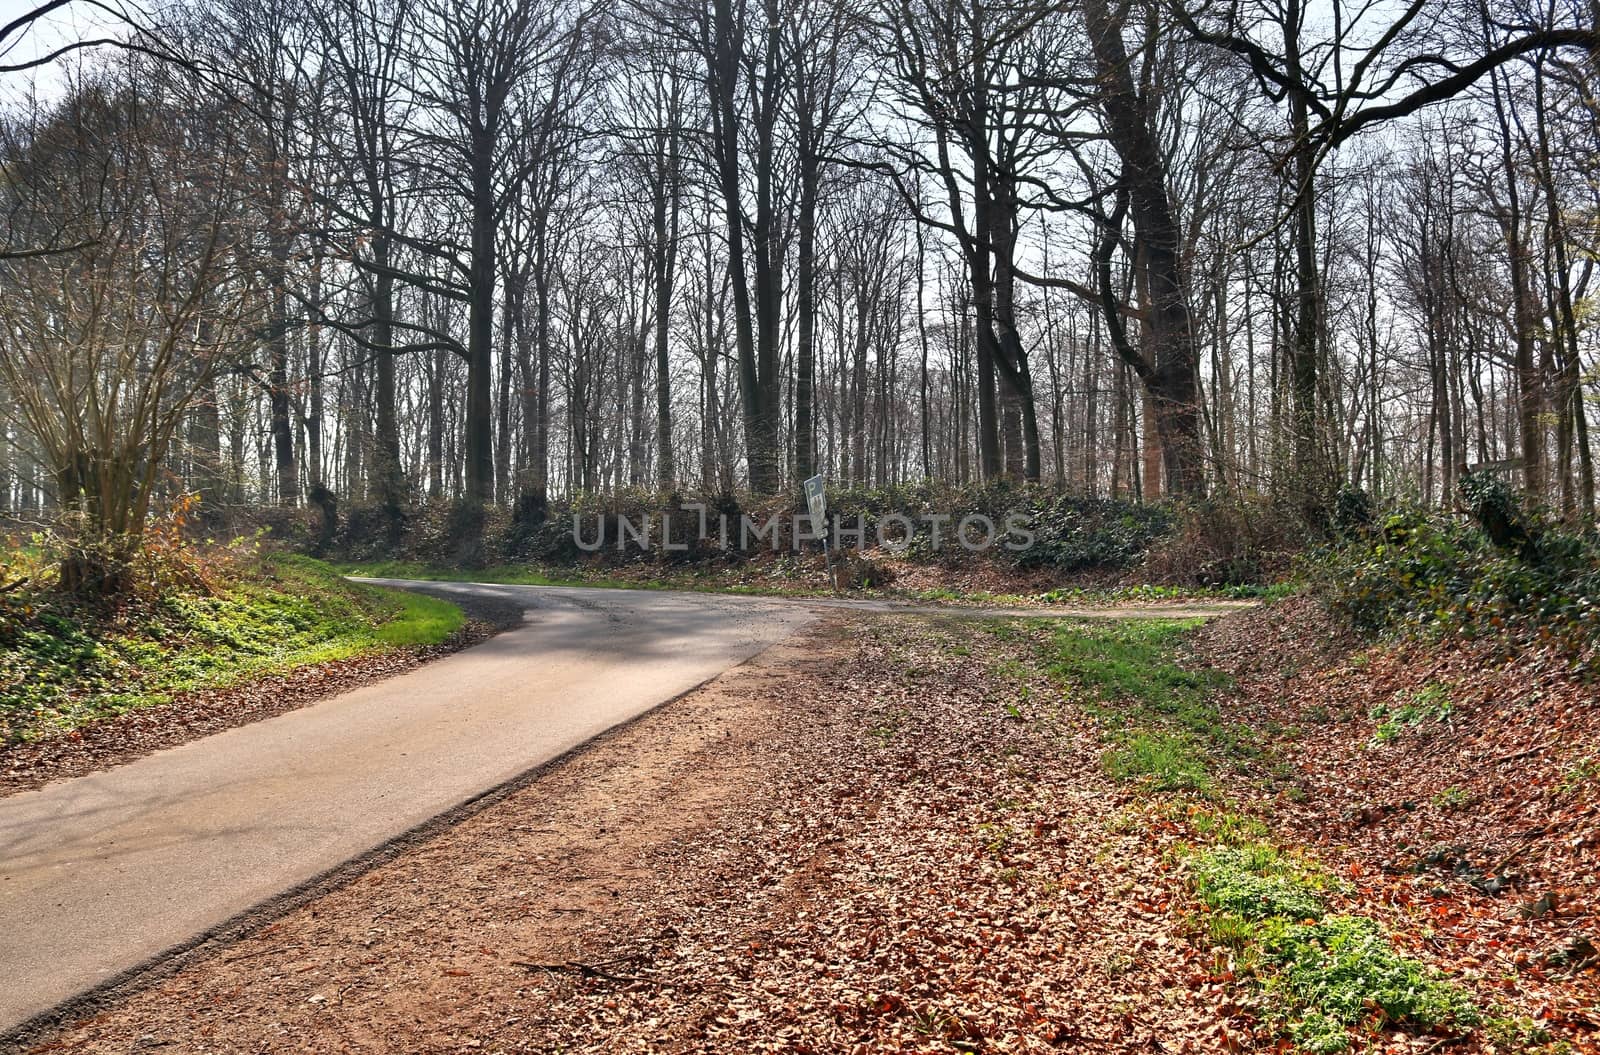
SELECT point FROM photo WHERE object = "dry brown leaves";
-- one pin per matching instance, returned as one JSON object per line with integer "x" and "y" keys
{"x": 857, "y": 851}
{"x": 1475, "y": 836}
{"x": 859, "y": 846}
{"x": 930, "y": 875}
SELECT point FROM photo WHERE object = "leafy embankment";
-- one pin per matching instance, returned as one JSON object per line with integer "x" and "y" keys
{"x": 1451, "y": 783}
{"x": 63, "y": 666}
{"x": 1328, "y": 958}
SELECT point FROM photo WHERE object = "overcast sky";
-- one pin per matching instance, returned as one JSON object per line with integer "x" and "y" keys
{"x": 77, "y": 20}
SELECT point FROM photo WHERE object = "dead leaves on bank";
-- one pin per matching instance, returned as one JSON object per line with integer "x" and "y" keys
{"x": 1458, "y": 793}
{"x": 919, "y": 856}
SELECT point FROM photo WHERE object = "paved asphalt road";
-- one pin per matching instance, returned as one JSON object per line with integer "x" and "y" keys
{"x": 102, "y": 873}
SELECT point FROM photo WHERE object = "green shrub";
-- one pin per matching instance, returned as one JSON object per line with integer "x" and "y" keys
{"x": 1255, "y": 882}
{"x": 1509, "y": 575}
{"x": 1343, "y": 971}
{"x": 1076, "y": 533}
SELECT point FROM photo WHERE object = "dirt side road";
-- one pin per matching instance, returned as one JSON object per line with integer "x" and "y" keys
{"x": 848, "y": 845}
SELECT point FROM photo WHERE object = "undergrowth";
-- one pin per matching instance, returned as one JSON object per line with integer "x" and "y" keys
{"x": 1159, "y": 716}
{"x": 1504, "y": 573}
{"x": 1326, "y": 975}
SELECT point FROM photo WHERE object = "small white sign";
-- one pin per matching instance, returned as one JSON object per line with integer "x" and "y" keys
{"x": 816, "y": 501}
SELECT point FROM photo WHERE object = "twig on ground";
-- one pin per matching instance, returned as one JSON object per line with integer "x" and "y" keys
{"x": 582, "y": 970}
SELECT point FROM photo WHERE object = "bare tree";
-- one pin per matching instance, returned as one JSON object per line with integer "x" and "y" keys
{"x": 107, "y": 345}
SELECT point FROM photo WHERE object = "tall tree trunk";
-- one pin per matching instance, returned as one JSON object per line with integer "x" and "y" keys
{"x": 1174, "y": 384}
{"x": 1311, "y": 474}
{"x": 502, "y": 434}
{"x": 1570, "y": 370}
{"x": 725, "y": 74}
{"x": 315, "y": 463}
{"x": 1016, "y": 379}
{"x": 387, "y": 471}
{"x": 436, "y": 426}
{"x": 1530, "y": 382}
{"x": 666, "y": 254}
{"x": 282, "y": 421}
{"x": 478, "y": 427}
{"x": 805, "y": 428}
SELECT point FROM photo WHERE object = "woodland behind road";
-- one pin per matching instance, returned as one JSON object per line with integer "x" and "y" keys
{"x": 1258, "y": 301}
{"x": 356, "y": 255}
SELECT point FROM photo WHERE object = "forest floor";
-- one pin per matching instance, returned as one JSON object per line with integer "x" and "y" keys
{"x": 915, "y": 833}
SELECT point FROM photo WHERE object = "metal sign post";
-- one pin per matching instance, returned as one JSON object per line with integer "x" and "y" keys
{"x": 817, "y": 505}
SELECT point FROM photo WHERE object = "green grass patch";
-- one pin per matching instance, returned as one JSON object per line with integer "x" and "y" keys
{"x": 1327, "y": 976}
{"x": 1430, "y": 703}
{"x": 1254, "y": 881}
{"x": 61, "y": 668}
{"x": 1165, "y": 763}
{"x": 1159, "y": 717}
{"x": 1343, "y": 973}
{"x": 1133, "y": 661}
{"x": 504, "y": 574}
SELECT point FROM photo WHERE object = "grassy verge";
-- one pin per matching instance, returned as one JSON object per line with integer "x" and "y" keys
{"x": 1327, "y": 979}
{"x": 1159, "y": 719}
{"x": 60, "y": 668}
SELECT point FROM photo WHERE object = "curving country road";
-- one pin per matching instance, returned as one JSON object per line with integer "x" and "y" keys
{"x": 104, "y": 873}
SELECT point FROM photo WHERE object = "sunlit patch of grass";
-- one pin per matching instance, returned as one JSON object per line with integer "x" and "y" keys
{"x": 61, "y": 668}
{"x": 1254, "y": 881}
{"x": 1159, "y": 716}
{"x": 422, "y": 621}
{"x": 1166, "y": 763}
